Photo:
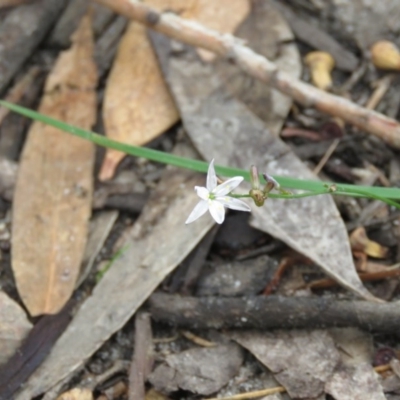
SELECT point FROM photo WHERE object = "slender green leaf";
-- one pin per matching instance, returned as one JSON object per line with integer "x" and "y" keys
{"x": 201, "y": 166}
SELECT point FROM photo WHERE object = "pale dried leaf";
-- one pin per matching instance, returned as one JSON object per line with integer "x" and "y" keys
{"x": 302, "y": 361}
{"x": 152, "y": 253}
{"x": 222, "y": 128}
{"x": 53, "y": 194}
{"x": 355, "y": 346}
{"x": 199, "y": 370}
{"x": 355, "y": 383}
{"x": 137, "y": 104}
{"x": 14, "y": 327}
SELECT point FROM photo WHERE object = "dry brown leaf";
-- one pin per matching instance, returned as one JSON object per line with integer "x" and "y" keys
{"x": 14, "y": 327}
{"x": 53, "y": 194}
{"x": 137, "y": 104}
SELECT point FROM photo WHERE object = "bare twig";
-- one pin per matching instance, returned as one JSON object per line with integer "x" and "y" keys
{"x": 234, "y": 50}
{"x": 142, "y": 359}
{"x": 273, "y": 312}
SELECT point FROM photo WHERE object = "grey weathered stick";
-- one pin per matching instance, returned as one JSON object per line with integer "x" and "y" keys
{"x": 234, "y": 50}
{"x": 21, "y": 31}
{"x": 273, "y": 312}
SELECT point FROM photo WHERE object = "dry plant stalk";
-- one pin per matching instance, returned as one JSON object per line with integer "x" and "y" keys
{"x": 257, "y": 66}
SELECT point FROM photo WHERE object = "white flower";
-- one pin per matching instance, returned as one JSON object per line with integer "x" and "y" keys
{"x": 214, "y": 198}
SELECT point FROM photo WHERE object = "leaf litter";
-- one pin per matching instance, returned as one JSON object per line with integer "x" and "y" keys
{"x": 240, "y": 113}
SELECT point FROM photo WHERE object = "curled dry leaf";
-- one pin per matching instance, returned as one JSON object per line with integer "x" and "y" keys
{"x": 359, "y": 242}
{"x": 55, "y": 175}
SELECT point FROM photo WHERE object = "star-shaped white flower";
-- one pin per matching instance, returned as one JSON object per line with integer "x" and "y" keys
{"x": 214, "y": 198}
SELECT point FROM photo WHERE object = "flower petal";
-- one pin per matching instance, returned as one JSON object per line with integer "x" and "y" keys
{"x": 200, "y": 209}
{"x": 233, "y": 204}
{"x": 227, "y": 186}
{"x": 202, "y": 192}
{"x": 211, "y": 177}
{"x": 217, "y": 211}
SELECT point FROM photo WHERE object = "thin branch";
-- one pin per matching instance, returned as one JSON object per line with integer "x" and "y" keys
{"x": 256, "y": 65}
{"x": 273, "y": 312}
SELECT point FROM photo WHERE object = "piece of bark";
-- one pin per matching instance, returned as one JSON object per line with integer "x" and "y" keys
{"x": 55, "y": 174}
{"x": 273, "y": 312}
{"x": 68, "y": 23}
{"x": 15, "y": 94}
{"x": 143, "y": 358}
{"x": 102, "y": 18}
{"x": 107, "y": 44}
{"x": 152, "y": 253}
{"x": 8, "y": 177}
{"x": 200, "y": 370}
{"x": 20, "y": 33}
{"x": 301, "y": 361}
{"x": 33, "y": 351}
{"x": 13, "y": 128}
{"x": 318, "y": 39}
{"x": 14, "y": 327}
{"x": 221, "y": 127}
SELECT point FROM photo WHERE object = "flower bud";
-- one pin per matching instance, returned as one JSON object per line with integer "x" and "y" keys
{"x": 258, "y": 196}
{"x": 271, "y": 184}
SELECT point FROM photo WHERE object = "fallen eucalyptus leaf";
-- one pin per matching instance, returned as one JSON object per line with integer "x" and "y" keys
{"x": 55, "y": 176}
